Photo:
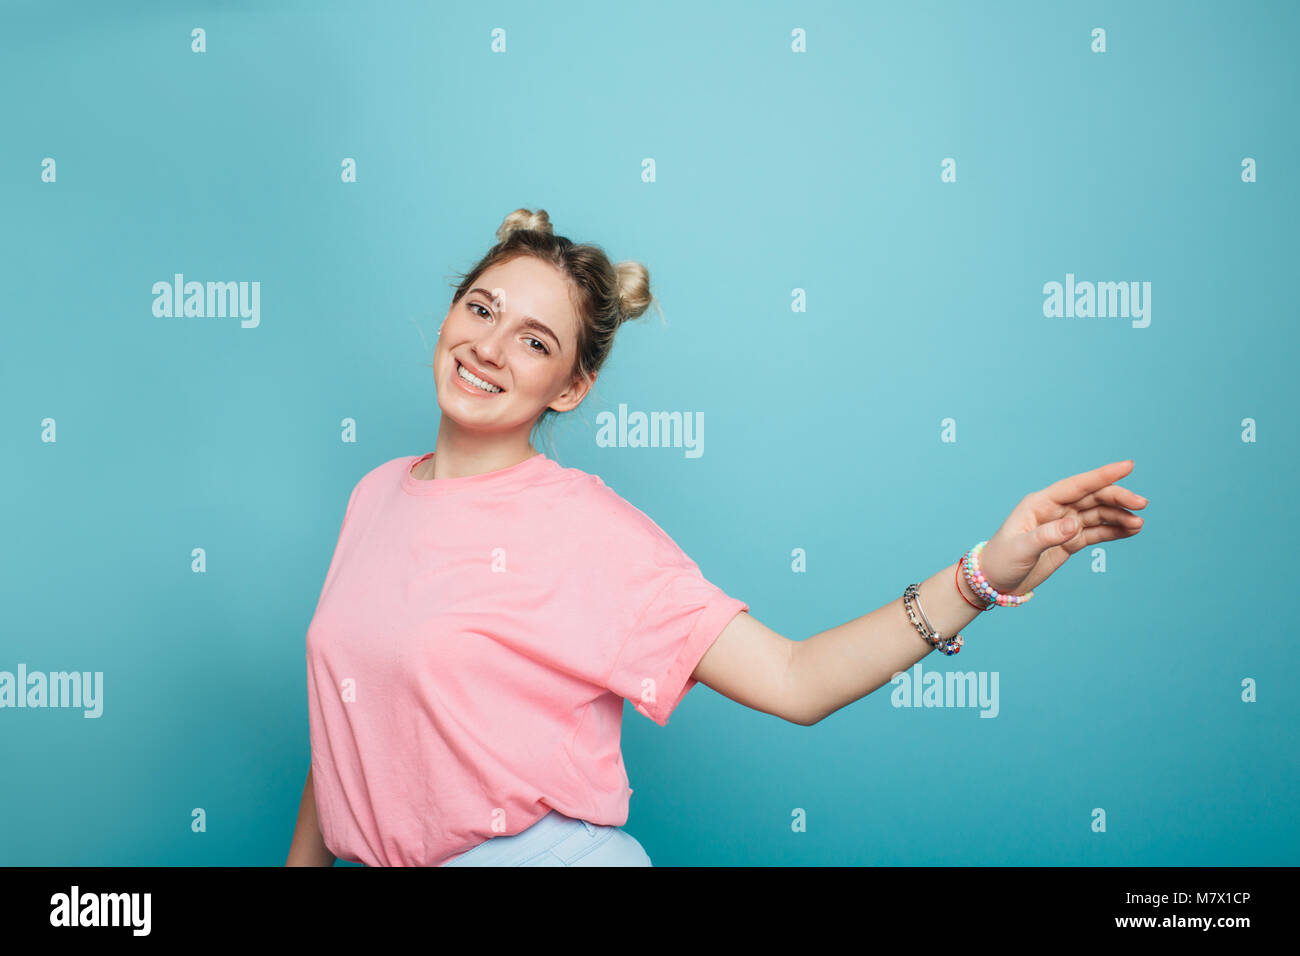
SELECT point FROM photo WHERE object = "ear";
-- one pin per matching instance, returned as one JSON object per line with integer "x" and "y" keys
{"x": 572, "y": 396}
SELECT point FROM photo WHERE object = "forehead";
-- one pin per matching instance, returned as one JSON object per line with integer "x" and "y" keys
{"x": 529, "y": 288}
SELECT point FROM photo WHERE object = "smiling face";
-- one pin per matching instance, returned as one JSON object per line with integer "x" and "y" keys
{"x": 515, "y": 330}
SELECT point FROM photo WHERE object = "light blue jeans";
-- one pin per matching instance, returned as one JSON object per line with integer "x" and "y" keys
{"x": 558, "y": 840}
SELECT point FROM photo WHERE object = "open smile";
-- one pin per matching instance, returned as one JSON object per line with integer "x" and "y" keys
{"x": 474, "y": 383}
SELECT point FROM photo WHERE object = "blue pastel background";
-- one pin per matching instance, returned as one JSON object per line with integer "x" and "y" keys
{"x": 775, "y": 171}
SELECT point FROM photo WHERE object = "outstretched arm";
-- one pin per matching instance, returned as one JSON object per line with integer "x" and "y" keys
{"x": 805, "y": 681}
{"x": 841, "y": 665}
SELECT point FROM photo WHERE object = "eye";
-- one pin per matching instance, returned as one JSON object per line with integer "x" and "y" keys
{"x": 485, "y": 314}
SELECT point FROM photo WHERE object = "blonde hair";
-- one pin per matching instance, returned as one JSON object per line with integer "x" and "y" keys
{"x": 604, "y": 294}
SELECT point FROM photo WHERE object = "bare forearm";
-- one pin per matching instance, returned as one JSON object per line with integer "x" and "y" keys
{"x": 836, "y": 667}
{"x": 308, "y": 847}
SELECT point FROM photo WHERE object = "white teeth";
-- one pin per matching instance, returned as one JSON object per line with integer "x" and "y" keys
{"x": 465, "y": 373}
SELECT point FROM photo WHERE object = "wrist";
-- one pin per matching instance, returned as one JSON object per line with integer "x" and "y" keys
{"x": 964, "y": 589}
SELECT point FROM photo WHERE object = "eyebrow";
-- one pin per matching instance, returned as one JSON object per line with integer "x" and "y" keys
{"x": 527, "y": 321}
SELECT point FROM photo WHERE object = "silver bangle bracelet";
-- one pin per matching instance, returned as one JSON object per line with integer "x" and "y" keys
{"x": 928, "y": 633}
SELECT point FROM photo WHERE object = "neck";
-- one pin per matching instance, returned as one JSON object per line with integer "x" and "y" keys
{"x": 460, "y": 453}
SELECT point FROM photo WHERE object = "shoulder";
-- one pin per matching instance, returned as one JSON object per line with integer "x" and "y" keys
{"x": 386, "y": 473}
{"x": 389, "y": 469}
{"x": 609, "y": 517}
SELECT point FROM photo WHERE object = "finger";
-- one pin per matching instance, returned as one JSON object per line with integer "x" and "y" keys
{"x": 1071, "y": 489}
{"x": 1055, "y": 533}
{"x": 1102, "y": 532}
{"x": 1105, "y": 514}
{"x": 1111, "y": 495}
{"x": 1064, "y": 530}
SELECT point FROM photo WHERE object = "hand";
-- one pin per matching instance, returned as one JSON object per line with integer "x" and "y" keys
{"x": 1031, "y": 544}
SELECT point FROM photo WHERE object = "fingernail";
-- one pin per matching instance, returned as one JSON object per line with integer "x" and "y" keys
{"x": 1068, "y": 525}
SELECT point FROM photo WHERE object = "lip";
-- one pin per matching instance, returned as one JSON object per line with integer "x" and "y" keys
{"x": 468, "y": 387}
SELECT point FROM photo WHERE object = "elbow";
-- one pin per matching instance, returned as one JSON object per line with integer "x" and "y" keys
{"x": 799, "y": 713}
{"x": 807, "y": 721}
{"x": 799, "y": 710}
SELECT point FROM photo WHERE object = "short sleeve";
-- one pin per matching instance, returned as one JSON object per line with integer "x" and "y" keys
{"x": 347, "y": 510}
{"x": 339, "y": 545}
{"x": 654, "y": 666}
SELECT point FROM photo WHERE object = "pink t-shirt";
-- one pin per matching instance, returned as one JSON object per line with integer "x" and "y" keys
{"x": 471, "y": 650}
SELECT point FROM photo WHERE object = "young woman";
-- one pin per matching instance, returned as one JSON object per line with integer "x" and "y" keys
{"x": 487, "y": 610}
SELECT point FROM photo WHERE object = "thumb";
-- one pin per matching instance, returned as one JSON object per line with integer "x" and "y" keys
{"x": 1058, "y": 531}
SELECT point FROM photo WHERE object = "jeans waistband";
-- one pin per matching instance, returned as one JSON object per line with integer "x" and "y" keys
{"x": 543, "y": 834}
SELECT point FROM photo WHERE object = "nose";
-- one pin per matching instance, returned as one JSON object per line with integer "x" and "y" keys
{"x": 490, "y": 346}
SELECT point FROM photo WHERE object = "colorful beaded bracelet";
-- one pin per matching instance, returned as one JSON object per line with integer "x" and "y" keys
{"x": 975, "y": 578}
{"x": 956, "y": 582}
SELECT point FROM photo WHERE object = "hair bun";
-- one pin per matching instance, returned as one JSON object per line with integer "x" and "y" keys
{"x": 522, "y": 219}
{"x": 633, "y": 288}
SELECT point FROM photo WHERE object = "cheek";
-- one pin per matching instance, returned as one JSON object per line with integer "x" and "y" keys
{"x": 536, "y": 382}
